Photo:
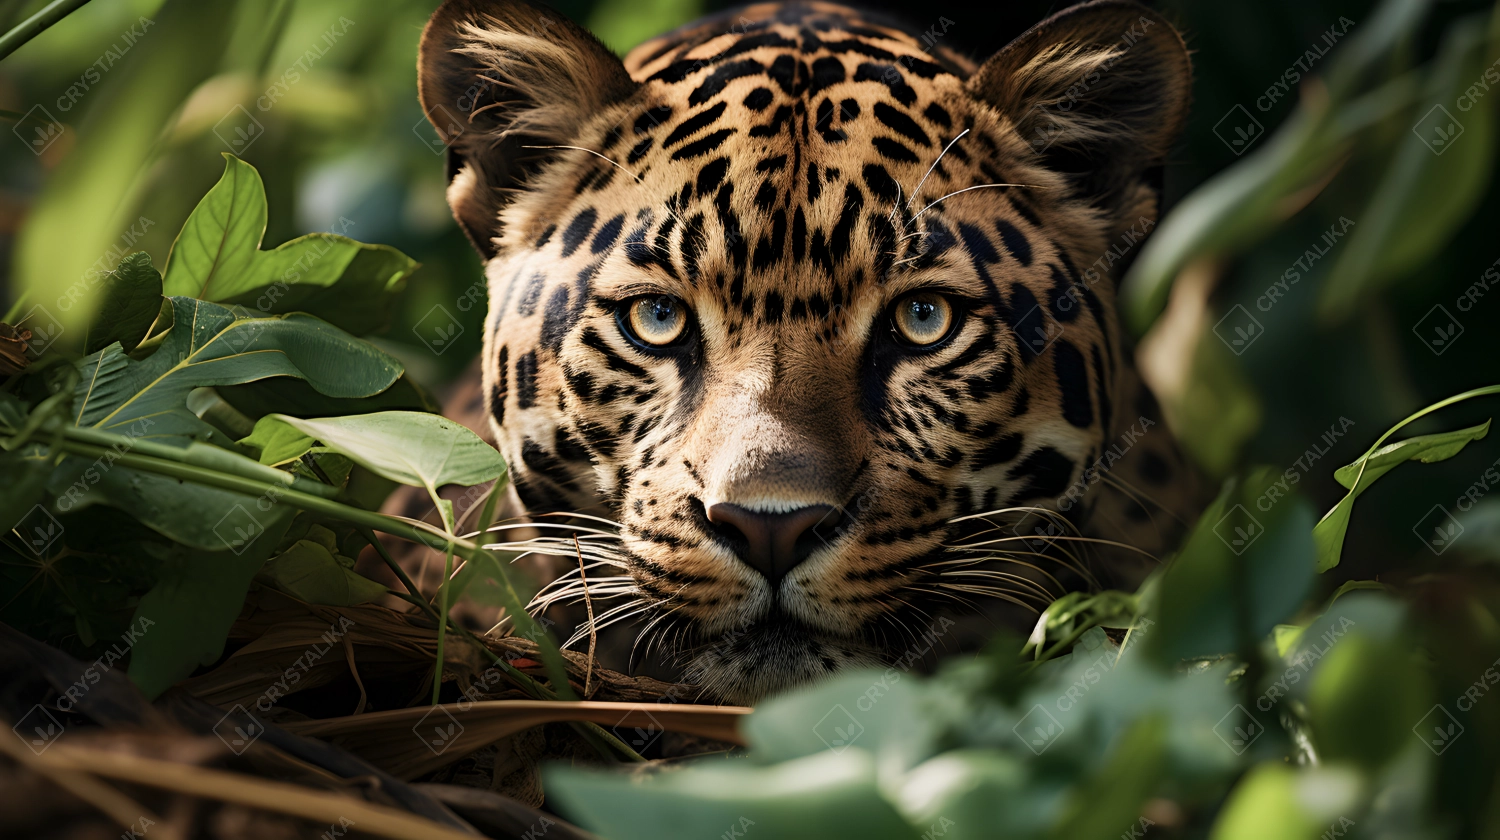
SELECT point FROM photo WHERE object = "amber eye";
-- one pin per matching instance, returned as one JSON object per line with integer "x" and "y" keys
{"x": 923, "y": 318}
{"x": 656, "y": 320}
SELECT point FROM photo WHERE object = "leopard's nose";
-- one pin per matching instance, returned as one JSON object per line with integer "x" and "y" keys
{"x": 771, "y": 543}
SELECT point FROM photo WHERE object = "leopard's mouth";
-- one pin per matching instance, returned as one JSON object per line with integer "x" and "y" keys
{"x": 772, "y": 654}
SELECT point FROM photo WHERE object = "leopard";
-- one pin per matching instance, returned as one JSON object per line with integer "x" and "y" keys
{"x": 812, "y": 320}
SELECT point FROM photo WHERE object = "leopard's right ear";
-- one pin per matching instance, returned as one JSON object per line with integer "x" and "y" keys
{"x": 496, "y": 76}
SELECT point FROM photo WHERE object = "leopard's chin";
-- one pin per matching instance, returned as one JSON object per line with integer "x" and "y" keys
{"x": 774, "y": 654}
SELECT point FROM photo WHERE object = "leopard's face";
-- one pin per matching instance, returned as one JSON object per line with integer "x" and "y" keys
{"x": 800, "y": 298}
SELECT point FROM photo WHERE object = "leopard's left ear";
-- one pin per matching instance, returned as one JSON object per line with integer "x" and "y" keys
{"x": 1100, "y": 91}
{"x": 501, "y": 80}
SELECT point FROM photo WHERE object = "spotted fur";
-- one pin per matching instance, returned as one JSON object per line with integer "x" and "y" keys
{"x": 788, "y": 171}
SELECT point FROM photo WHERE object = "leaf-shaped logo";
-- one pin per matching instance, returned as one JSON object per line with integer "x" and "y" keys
{"x": 43, "y": 534}
{"x": 1044, "y": 734}
{"x": 45, "y": 134}
{"x": 443, "y": 334}
{"x": 642, "y": 737}
{"x": 1244, "y": 535}
{"x": 45, "y": 734}
{"x": 443, "y": 734}
{"x": 1246, "y": 735}
{"x": 247, "y": 734}
{"x": 1244, "y": 135}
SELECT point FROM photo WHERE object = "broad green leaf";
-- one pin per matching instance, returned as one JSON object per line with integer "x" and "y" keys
{"x": 277, "y": 443}
{"x": 1245, "y": 557}
{"x": 192, "y": 514}
{"x": 1243, "y": 202}
{"x": 421, "y": 450}
{"x": 840, "y": 712}
{"x": 1113, "y": 796}
{"x": 1430, "y": 187}
{"x": 1425, "y": 448}
{"x": 91, "y": 199}
{"x": 360, "y": 299}
{"x": 217, "y": 257}
{"x": 284, "y": 395}
{"x": 311, "y": 571}
{"x": 1275, "y": 800}
{"x": 819, "y": 796}
{"x": 209, "y": 346}
{"x": 26, "y": 471}
{"x": 1364, "y": 697}
{"x": 198, "y": 595}
{"x": 128, "y": 306}
{"x": 977, "y": 794}
{"x": 1330, "y": 530}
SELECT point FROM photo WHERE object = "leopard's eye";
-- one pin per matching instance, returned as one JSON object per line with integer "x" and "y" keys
{"x": 655, "y": 320}
{"x": 923, "y": 318}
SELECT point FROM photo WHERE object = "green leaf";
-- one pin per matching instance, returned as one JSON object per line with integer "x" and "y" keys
{"x": 1425, "y": 448}
{"x": 1113, "y": 797}
{"x": 422, "y": 450}
{"x": 360, "y": 299}
{"x": 129, "y": 305}
{"x": 74, "y": 228}
{"x": 209, "y": 346}
{"x": 1426, "y": 193}
{"x": 1275, "y": 800}
{"x": 217, "y": 257}
{"x": 1365, "y": 694}
{"x": 1330, "y": 530}
{"x": 284, "y": 395}
{"x": 188, "y": 613}
{"x": 26, "y": 471}
{"x": 276, "y": 442}
{"x": 311, "y": 571}
{"x": 1243, "y": 570}
{"x": 820, "y": 796}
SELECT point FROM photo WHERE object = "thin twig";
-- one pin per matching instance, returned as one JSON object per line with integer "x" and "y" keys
{"x": 588, "y": 601}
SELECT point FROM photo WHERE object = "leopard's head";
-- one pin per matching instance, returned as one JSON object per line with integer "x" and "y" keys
{"x": 798, "y": 297}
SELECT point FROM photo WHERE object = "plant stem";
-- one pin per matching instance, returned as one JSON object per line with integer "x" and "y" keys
{"x": 36, "y": 24}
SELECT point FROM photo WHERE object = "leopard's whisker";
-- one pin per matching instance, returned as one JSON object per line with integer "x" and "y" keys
{"x": 976, "y": 187}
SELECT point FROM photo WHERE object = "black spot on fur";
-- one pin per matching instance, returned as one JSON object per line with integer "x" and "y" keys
{"x": 759, "y": 99}
{"x": 897, "y": 121}
{"x": 526, "y": 380}
{"x": 1073, "y": 382}
{"x": 1001, "y": 450}
{"x": 721, "y": 77}
{"x": 825, "y": 71}
{"x": 1016, "y": 243}
{"x": 693, "y": 125}
{"x": 880, "y": 182}
{"x": 1046, "y": 471}
{"x": 498, "y": 390}
{"x": 578, "y": 230}
{"x": 608, "y": 233}
{"x": 936, "y": 114}
{"x": 703, "y": 146}
{"x": 712, "y": 173}
{"x": 889, "y": 76}
{"x": 651, "y": 118}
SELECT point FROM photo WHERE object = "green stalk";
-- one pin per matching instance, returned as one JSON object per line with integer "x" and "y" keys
{"x": 605, "y": 743}
{"x": 37, "y": 24}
